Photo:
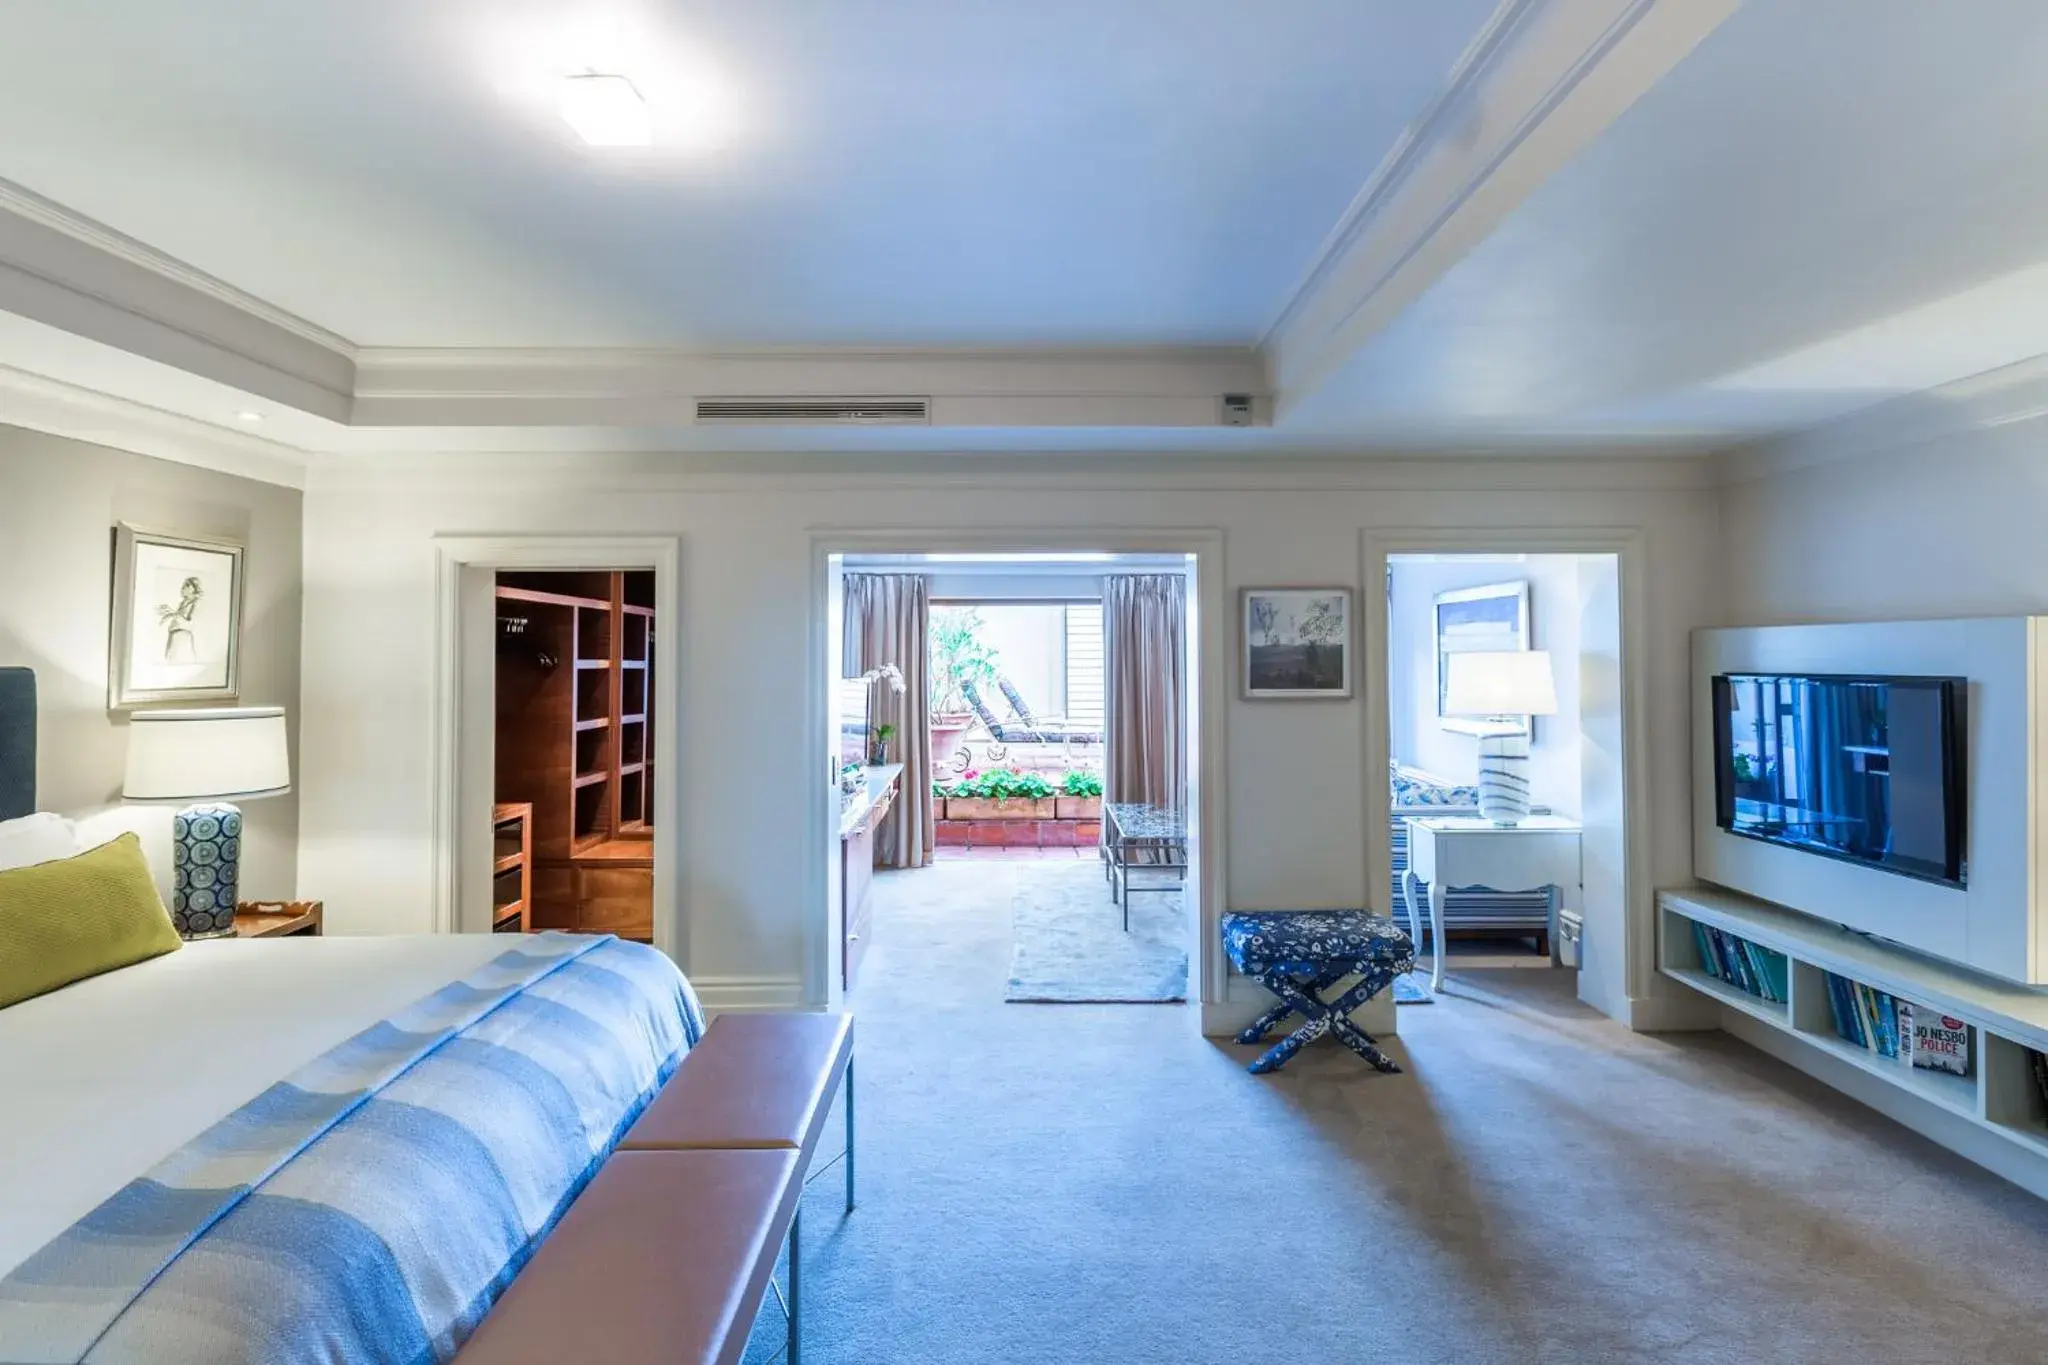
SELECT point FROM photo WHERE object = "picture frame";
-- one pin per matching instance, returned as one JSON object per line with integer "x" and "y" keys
{"x": 1494, "y": 616}
{"x": 176, "y": 620}
{"x": 1298, "y": 644}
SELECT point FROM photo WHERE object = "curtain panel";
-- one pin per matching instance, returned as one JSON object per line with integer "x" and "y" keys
{"x": 888, "y": 621}
{"x": 1144, "y": 635}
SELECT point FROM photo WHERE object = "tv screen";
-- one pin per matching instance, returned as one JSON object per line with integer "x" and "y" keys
{"x": 1866, "y": 769}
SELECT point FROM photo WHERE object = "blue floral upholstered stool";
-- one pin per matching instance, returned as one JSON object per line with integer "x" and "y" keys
{"x": 1299, "y": 954}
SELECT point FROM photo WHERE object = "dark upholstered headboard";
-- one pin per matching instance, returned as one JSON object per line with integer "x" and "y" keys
{"x": 17, "y": 742}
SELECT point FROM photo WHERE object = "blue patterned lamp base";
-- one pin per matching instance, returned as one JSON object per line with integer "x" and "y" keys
{"x": 206, "y": 854}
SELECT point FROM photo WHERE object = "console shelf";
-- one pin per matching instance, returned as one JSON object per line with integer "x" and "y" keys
{"x": 1996, "y": 1115}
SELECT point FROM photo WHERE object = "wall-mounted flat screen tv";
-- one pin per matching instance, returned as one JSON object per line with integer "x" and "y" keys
{"x": 1866, "y": 769}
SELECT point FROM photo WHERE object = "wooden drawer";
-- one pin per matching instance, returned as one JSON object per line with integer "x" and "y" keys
{"x": 615, "y": 900}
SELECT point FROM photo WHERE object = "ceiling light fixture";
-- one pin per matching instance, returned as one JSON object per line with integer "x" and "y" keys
{"x": 246, "y": 416}
{"x": 606, "y": 111}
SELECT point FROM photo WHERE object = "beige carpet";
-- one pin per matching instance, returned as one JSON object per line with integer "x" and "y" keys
{"x": 1097, "y": 1183}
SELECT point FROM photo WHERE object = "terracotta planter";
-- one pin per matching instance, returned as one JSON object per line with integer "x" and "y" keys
{"x": 947, "y": 734}
{"x": 986, "y": 808}
{"x": 1078, "y": 807}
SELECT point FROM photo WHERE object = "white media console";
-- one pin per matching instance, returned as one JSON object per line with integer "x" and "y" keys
{"x": 1977, "y": 953}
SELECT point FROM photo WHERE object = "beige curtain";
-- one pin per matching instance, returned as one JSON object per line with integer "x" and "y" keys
{"x": 1144, "y": 630}
{"x": 888, "y": 621}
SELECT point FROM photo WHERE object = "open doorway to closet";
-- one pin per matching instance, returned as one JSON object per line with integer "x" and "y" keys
{"x": 573, "y": 809}
{"x": 1016, "y": 740}
{"x": 1506, "y": 776}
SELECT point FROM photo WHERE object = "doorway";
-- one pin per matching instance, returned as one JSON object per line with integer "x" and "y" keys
{"x": 470, "y": 840}
{"x": 1505, "y": 774}
{"x": 573, "y": 810}
{"x": 1020, "y": 875}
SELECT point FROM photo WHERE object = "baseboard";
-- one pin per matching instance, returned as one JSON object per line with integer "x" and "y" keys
{"x": 748, "y": 994}
{"x": 1678, "y": 1012}
{"x": 1931, "y": 1121}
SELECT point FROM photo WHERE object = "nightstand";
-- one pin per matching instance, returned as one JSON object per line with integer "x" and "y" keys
{"x": 277, "y": 919}
{"x": 1457, "y": 851}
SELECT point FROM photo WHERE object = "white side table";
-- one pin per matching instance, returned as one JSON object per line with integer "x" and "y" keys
{"x": 1459, "y": 851}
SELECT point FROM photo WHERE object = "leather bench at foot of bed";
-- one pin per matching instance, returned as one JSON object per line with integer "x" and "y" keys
{"x": 666, "y": 1255}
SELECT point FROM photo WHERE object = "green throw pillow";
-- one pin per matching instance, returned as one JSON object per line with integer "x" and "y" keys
{"x": 63, "y": 921}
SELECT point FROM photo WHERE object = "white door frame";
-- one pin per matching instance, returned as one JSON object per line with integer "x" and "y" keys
{"x": 1213, "y": 635}
{"x": 1377, "y": 543}
{"x": 462, "y": 793}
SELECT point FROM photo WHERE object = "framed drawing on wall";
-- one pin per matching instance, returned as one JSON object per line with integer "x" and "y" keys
{"x": 1493, "y": 617}
{"x": 177, "y": 619}
{"x": 1297, "y": 644}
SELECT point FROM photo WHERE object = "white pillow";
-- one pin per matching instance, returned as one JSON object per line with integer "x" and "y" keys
{"x": 38, "y": 838}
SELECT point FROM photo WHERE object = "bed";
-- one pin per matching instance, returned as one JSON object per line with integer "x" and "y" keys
{"x": 313, "y": 1149}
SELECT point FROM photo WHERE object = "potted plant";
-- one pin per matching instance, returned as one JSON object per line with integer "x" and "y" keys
{"x": 1752, "y": 778}
{"x": 1079, "y": 798}
{"x": 1000, "y": 794}
{"x": 878, "y": 754}
{"x": 957, "y": 656}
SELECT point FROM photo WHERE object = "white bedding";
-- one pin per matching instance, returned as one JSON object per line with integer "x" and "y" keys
{"x": 101, "y": 1080}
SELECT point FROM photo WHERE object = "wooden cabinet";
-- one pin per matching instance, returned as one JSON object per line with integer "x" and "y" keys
{"x": 575, "y": 696}
{"x": 511, "y": 867}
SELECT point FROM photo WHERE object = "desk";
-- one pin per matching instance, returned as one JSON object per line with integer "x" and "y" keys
{"x": 860, "y": 814}
{"x": 1460, "y": 851}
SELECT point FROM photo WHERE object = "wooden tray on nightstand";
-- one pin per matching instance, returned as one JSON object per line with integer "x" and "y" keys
{"x": 277, "y": 919}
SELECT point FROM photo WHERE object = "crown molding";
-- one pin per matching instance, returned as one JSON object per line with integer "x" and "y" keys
{"x": 2007, "y": 396}
{"x": 1536, "y": 85}
{"x": 25, "y": 203}
{"x": 63, "y": 269}
{"x": 37, "y": 403}
{"x": 1137, "y": 386}
{"x": 1104, "y": 472}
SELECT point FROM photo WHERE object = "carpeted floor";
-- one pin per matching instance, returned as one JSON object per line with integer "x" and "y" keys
{"x": 1097, "y": 1183}
{"x": 1070, "y": 943}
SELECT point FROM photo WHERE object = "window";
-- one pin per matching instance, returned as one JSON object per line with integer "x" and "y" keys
{"x": 1049, "y": 652}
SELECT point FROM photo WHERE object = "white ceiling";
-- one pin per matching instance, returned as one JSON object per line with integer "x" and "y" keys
{"x": 1067, "y": 172}
{"x": 1624, "y": 228}
{"x": 1828, "y": 203}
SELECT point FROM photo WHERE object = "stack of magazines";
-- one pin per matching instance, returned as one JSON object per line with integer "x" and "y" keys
{"x": 1742, "y": 964}
{"x": 1898, "y": 1029}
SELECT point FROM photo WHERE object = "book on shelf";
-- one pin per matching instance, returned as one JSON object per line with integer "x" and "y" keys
{"x": 1897, "y": 1029}
{"x": 1749, "y": 967}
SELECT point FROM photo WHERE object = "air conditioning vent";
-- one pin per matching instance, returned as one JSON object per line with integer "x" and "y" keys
{"x": 862, "y": 411}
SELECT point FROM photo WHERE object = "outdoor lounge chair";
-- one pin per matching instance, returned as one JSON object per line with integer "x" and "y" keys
{"x": 1054, "y": 731}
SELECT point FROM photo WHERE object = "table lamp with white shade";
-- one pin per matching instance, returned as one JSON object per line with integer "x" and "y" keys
{"x": 213, "y": 758}
{"x": 1503, "y": 687}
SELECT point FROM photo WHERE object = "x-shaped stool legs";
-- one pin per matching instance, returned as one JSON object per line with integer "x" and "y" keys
{"x": 1303, "y": 995}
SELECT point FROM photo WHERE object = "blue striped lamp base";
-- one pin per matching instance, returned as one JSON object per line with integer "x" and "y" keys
{"x": 1504, "y": 778}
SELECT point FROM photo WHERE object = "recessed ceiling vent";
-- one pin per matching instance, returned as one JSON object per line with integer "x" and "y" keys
{"x": 783, "y": 411}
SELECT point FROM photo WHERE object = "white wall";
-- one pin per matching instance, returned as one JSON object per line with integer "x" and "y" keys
{"x": 59, "y": 501}
{"x": 1293, "y": 794}
{"x": 1415, "y": 734}
{"x": 1947, "y": 527}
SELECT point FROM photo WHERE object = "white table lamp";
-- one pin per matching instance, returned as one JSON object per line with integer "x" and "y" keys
{"x": 214, "y": 758}
{"x": 1501, "y": 686}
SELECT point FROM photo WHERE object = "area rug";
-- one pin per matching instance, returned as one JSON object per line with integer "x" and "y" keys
{"x": 1412, "y": 988}
{"x": 1070, "y": 946}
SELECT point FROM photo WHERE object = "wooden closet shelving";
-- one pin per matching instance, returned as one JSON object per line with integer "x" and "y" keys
{"x": 574, "y": 689}
{"x": 511, "y": 867}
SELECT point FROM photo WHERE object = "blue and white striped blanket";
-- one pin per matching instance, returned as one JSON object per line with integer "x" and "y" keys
{"x": 372, "y": 1206}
